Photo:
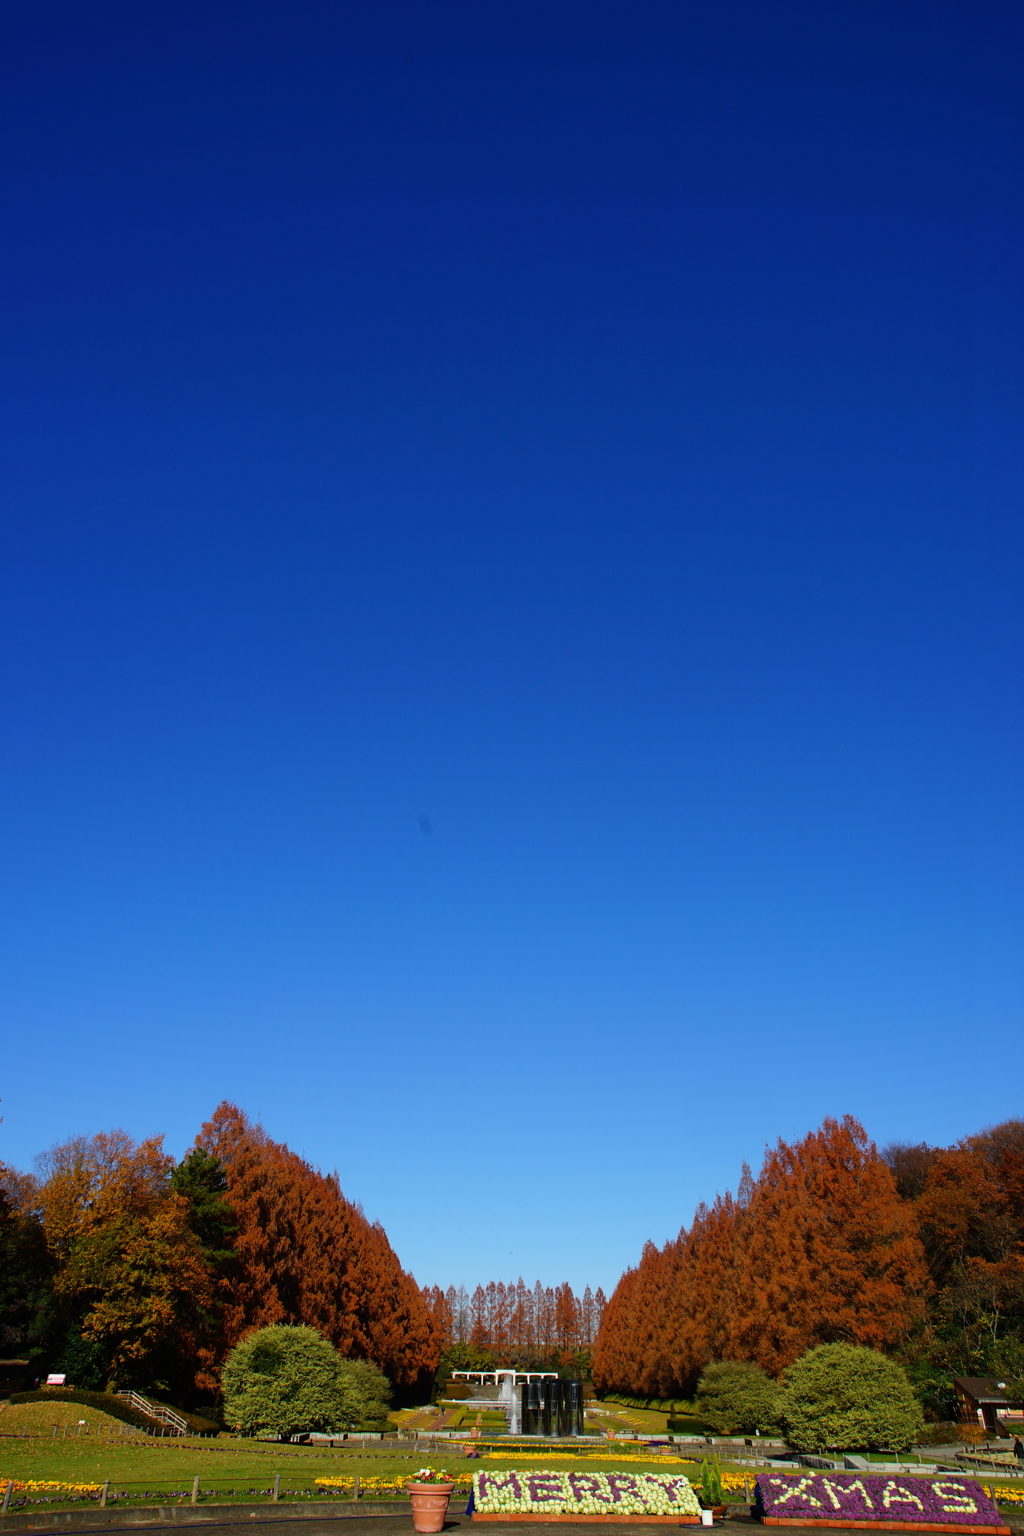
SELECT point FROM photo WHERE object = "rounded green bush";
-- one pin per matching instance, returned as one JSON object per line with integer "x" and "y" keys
{"x": 844, "y": 1397}
{"x": 736, "y": 1398}
{"x": 287, "y": 1380}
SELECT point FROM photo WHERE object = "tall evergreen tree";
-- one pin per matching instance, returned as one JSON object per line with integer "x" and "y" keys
{"x": 201, "y": 1179}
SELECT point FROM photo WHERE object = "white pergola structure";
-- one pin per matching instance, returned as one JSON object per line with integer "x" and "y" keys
{"x": 518, "y": 1377}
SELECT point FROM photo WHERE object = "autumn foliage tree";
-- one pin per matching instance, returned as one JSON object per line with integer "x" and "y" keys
{"x": 828, "y": 1249}
{"x": 517, "y": 1320}
{"x": 969, "y": 1203}
{"x": 819, "y": 1249}
{"x": 303, "y": 1254}
{"x": 121, "y": 1267}
{"x": 130, "y": 1272}
{"x": 439, "y": 1318}
{"x": 26, "y": 1267}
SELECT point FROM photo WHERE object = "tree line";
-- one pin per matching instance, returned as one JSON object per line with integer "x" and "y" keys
{"x": 915, "y": 1251}
{"x": 515, "y": 1319}
{"x": 119, "y": 1265}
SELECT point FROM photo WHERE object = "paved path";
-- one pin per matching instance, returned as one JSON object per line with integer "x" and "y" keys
{"x": 373, "y": 1525}
{"x": 401, "y": 1525}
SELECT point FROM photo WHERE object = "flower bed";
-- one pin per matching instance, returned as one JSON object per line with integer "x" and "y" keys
{"x": 655, "y": 1459}
{"x": 29, "y": 1493}
{"x": 397, "y": 1483}
{"x": 850, "y": 1499}
{"x": 47, "y": 1485}
{"x": 583, "y": 1496}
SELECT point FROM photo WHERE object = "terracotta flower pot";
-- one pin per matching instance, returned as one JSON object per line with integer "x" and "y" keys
{"x": 429, "y": 1504}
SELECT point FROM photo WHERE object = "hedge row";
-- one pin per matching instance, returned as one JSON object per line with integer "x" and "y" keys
{"x": 680, "y": 1405}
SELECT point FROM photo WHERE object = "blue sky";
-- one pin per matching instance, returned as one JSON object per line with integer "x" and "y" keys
{"x": 510, "y": 594}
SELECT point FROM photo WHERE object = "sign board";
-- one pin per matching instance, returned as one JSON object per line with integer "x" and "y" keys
{"x": 56, "y": 1381}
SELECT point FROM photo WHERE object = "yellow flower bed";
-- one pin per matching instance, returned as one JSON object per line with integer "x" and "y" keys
{"x": 394, "y": 1484}
{"x": 650, "y": 1461}
{"x": 734, "y": 1482}
{"x": 34, "y": 1486}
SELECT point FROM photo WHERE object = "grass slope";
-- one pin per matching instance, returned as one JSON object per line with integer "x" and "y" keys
{"x": 645, "y": 1421}
{"x": 40, "y": 1419}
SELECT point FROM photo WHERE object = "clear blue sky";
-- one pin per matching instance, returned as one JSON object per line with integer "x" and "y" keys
{"x": 510, "y": 593}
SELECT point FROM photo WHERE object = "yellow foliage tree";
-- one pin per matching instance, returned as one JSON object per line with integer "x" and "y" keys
{"x": 130, "y": 1266}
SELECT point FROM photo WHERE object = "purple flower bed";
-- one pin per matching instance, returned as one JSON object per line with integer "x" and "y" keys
{"x": 829, "y": 1496}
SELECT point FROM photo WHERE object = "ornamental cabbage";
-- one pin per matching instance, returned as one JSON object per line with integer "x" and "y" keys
{"x": 583, "y": 1493}
{"x": 831, "y": 1496}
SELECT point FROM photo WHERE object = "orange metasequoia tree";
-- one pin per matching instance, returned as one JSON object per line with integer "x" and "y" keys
{"x": 305, "y": 1254}
{"x": 828, "y": 1252}
{"x": 820, "y": 1247}
{"x": 971, "y": 1211}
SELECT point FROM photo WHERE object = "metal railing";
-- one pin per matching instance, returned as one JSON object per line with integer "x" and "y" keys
{"x": 155, "y": 1411}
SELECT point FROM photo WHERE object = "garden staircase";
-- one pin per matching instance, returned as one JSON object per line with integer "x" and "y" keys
{"x": 487, "y": 1396}
{"x": 156, "y": 1411}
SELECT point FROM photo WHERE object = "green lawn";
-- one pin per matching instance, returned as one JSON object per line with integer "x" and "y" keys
{"x": 645, "y": 1421}
{"x": 226, "y": 1467}
{"x": 230, "y": 1468}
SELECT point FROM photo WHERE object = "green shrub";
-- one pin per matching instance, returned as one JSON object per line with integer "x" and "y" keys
{"x": 938, "y": 1434}
{"x": 658, "y": 1404}
{"x": 369, "y": 1393}
{"x": 82, "y": 1362}
{"x": 737, "y": 1398}
{"x": 710, "y": 1483}
{"x": 842, "y": 1397}
{"x": 285, "y": 1380}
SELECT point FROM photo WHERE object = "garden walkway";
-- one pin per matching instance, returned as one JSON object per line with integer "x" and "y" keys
{"x": 389, "y": 1524}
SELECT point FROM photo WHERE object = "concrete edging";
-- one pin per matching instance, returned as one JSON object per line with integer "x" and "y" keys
{"x": 198, "y": 1514}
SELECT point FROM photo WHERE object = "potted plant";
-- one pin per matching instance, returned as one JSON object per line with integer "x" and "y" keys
{"x": 709, "y": 1489}
{"x": 430, "y": 1492}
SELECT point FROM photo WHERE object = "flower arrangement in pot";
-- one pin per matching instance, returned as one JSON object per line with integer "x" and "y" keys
{"x": 430, "y": 1492}
{"x": 709, "y": 1489}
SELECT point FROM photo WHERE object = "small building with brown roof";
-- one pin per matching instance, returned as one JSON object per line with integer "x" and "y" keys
{"x": 985, "y": 1399}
